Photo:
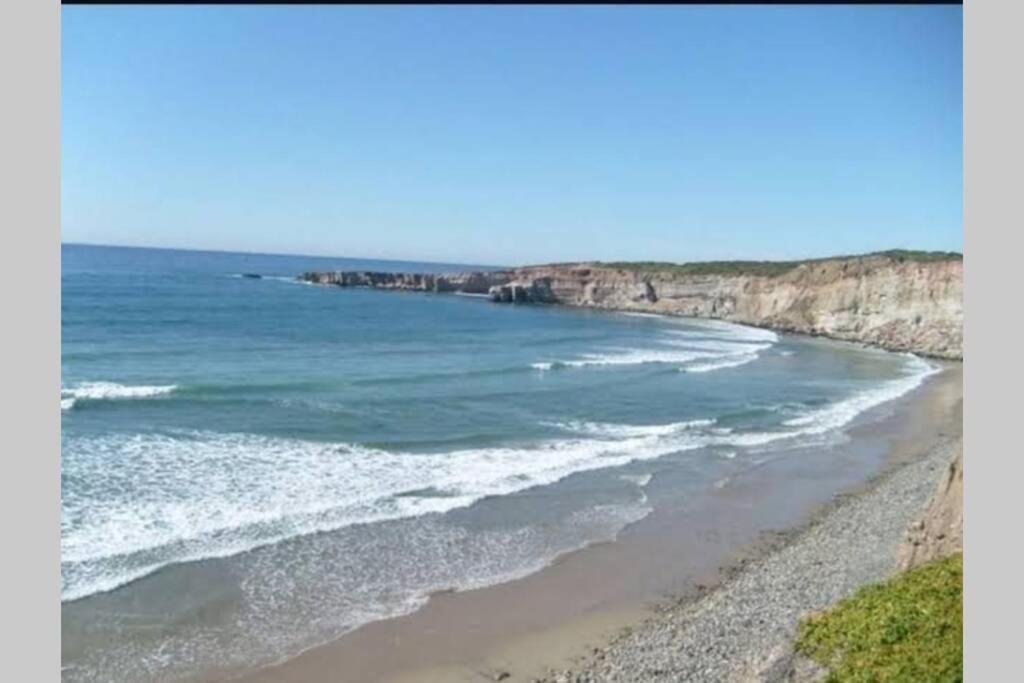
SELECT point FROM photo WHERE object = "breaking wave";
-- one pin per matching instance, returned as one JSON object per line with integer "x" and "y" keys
{"x": 199, "y": 495}
{"x": 99, "y": 391}
{"x": 732, "y": 362}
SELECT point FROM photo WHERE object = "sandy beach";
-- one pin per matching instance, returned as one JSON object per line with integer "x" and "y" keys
{"x": 709, "y": 590}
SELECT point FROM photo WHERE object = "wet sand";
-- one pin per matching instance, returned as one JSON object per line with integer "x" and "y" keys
{"x": 520, "y": 630}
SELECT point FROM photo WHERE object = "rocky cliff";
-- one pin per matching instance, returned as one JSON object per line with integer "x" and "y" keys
{"x": 467, "y": 283}
{"x": 940, "y": 532}
{"x": 893, "y": 300}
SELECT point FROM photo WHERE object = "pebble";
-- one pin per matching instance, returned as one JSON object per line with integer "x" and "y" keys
{"x": 743, "y": 630}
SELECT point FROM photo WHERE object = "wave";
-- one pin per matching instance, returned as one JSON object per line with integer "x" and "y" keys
{"x": 733, "y": 362}
{"x": 711, "y": 340}
{"x": 841, "y": 413}
{"x": 98, "y": 391}
{"x": 444, "y": 375}
{"x": 215, "y": 495}
{"x": 635, "y": 357}
{"x": 735, "y": 330}
{"x": 205, "y": 495}
{"x": 725, "y": 347}
{"x": 290, "y": 279}
{"x": 621, "y": 431}
{"x": 200, "y": 494}
{"x": 704, "y": 328}
{"x": 637, "y": 314}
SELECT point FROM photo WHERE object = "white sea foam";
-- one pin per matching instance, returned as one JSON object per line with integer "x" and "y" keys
{"x": 290, "y": 279}
{"x": 719, "y": 346}
{"x": 637, "y": 357}
{"x": 637, "y": 314}
{"x": 705, "y": 329}
{"x": 201, "y": 495}
{"x": 98, "y": 391}
{"x": 728, "y": 362}
{"x": 727, "y": 330}
{"x": 620, "y": 431}
{"x": 108, "y": 390}
{"x": 641, "y": 480}
{"x": 298, "y": 596}
{"x": 214, "y": 495}
{"x": 711, "y": 340}
{"x": 841, "y": 413}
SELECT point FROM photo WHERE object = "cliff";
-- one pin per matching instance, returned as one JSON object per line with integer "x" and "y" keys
{"x": 900, "y": 301}
{"x": 940, "y": 532}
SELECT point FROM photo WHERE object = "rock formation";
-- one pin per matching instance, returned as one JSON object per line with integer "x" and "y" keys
{"x": 468, "y": 283}
{"x": 940, "y": 532}
{"x": 891, "y": 300}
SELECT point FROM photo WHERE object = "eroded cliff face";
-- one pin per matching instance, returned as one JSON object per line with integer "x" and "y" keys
{"x": 897, "y": 304}
{"x": 901, "y": 306}
{"x": 940, "y": 531}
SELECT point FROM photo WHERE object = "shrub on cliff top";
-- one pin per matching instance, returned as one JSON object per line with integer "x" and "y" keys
{"x": 908, "y": 629}
{"x": 774, "y": 268}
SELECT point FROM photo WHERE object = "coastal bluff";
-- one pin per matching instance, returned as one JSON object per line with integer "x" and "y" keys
{"x": 896, "y": 300}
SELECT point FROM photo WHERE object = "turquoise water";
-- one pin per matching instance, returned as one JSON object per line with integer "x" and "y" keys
{"x": 324, "y": 457}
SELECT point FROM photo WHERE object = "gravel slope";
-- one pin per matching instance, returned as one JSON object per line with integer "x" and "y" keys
{"x": 742, "y": 631}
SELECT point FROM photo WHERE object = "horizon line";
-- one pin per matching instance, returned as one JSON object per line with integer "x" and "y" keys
{"x": 550, "y": 263}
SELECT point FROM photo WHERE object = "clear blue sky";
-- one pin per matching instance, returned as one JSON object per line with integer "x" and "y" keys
{"x": 508, "y": 135}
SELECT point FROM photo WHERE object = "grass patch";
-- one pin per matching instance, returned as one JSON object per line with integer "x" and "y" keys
{"x": 908, "y": 629}
{"x": 773, "y": 268}
{"x": 768, "y": 268}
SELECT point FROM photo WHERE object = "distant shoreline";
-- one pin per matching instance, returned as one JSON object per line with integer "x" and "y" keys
{"x": 897, "y": 300}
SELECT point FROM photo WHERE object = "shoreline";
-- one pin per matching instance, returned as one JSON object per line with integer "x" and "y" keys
{"x": 646, "y": 311}
{"x": 897, "y": 300}
{"x": 490, "y": 633}
{"x": 715, "y": 637}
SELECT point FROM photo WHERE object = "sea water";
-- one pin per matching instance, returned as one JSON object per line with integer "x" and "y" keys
{"x": 251, "y": 466}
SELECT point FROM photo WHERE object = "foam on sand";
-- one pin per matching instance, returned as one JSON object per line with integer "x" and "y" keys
{"x": 641, "y": 480}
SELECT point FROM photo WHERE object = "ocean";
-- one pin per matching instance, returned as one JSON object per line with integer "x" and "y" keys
{"x": 252, "y": 466}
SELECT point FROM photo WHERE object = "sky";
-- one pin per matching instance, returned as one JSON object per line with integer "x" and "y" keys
{"x": 511, "y": 135}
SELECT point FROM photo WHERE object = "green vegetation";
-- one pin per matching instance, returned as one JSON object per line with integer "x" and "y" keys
{"x": 768, "y": 268}
{"x": 773, "y": 268}
{"x": 909, "y": 629}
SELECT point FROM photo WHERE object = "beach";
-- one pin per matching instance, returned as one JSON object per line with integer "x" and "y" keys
{"x": 709, "y": 592}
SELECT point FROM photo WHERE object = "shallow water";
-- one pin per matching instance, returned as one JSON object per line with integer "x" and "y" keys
{"x": 254, "y": 466}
